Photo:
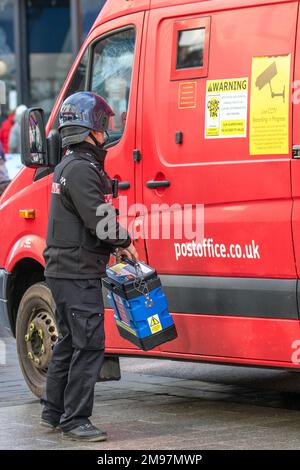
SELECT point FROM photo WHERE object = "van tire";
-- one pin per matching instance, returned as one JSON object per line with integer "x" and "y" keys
{"x": 36, "y": 335}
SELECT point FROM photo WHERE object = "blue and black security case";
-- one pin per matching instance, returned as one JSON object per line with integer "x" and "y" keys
{"x": 140, "y": 306}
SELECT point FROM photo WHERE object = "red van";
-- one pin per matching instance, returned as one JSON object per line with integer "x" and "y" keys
{"x": 206, "y": 96}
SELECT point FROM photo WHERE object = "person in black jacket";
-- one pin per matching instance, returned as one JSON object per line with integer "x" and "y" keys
{"x": 82, "y": 233}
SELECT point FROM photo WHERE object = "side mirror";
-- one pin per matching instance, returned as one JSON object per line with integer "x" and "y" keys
{"x": 34, "y": 153}
{"x": 36, "y": 150}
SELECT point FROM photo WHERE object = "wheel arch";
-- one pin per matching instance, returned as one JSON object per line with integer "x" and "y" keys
{"x": 25, "y": 266}
{"x": 25, "y": 273}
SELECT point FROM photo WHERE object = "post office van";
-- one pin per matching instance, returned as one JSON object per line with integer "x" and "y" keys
{"x": 205, "y": 144}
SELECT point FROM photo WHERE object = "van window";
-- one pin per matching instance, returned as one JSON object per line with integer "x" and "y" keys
{"x": 111, "y": 76}
{"x": 77, "y": 82}
{"x": 190, "y": 48}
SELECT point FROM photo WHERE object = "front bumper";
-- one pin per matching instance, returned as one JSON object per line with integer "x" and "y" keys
{"x": 4, "y": 317}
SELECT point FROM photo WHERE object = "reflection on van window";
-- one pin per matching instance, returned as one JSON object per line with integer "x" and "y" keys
{"x": 190, "y": 48}
{"x": 111, "y": 76}
{"x": 77, "y": 82}
{"x": 35, "y": 137}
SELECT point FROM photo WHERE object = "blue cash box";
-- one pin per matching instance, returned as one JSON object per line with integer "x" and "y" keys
{"x": 139, "y": 304}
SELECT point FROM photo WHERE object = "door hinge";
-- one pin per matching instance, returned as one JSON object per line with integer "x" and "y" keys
{"x": 296, "y": 151}
{"x": 137, "y": 156}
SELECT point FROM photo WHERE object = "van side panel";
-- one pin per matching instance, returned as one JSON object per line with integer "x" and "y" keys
{"x": 296, "y": 160}
{"x": 247, "y": 198}
{"x": 224, "y": 306}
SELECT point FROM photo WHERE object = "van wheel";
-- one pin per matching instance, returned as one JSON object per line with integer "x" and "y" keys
{"x": 36, "y": 334}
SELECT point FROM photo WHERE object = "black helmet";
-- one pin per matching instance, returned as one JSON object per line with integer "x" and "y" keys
{"x": 81, "y": 113}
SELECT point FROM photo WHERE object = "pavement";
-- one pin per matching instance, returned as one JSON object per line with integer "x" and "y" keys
{"x": 163, "y": 404}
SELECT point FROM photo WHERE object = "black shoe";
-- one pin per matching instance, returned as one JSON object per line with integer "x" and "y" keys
{"x": 85, "y": 432}
{"x": 49, "y": 424}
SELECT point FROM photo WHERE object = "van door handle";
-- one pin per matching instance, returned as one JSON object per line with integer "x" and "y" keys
{"x": 153, "y": 184}
{"x": 296, "y": 151}
{"x": 124, "y": 185}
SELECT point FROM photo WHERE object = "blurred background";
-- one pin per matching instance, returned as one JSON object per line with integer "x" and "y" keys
{"x": 38, "y": 42}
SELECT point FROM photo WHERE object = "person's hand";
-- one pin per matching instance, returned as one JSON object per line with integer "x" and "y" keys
{"x": 129, "y": 252}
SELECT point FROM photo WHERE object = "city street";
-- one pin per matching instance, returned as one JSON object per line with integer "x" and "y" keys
{"x": 150, "y": 201}
{"x": 166, "y": 405}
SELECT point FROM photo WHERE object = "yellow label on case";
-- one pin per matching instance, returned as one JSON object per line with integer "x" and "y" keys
{"x": 154, "y": 324}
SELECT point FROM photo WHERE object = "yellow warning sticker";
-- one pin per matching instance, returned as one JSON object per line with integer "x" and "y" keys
{"x": 226, "y": 108}
{"x": 269, "y": 107}
{"x": 154, "y": 324}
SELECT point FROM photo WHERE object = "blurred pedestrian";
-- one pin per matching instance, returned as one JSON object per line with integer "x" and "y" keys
{"x": 14, "y": 143}
{"x": 4, "y": 178}
{"x": 5, "y": 131}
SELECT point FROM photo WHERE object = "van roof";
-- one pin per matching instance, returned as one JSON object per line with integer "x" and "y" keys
{"x": 217, "y": 4}
{"x": 116, "y": 8}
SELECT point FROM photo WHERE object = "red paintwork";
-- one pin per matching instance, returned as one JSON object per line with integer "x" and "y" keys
{"x": 222, "y": 339}
{"x": 246, "y": 198}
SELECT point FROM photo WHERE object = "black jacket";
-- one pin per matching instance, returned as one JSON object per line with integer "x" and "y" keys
{"x": 81, "y": 187}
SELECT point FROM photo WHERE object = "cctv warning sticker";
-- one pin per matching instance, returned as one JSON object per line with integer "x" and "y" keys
{"x": 226, "y": 108}
{"x": 269, "y": 108}
{"x": 154, "y": 324}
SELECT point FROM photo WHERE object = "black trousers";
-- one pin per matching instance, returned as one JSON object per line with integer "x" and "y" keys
{"x": 78, "y": 355}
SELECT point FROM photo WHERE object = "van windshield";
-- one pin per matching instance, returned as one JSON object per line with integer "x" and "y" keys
{"x": 111, "y": 76}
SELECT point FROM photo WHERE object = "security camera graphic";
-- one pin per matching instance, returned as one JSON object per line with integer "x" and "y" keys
{"x": 266, "y": 77}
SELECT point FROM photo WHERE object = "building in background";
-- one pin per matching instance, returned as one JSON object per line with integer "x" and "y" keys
{"x": 38, "y": 42}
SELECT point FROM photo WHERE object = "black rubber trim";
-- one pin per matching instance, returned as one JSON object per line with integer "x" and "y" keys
{"x": 228, "y": 296}
{"x": 4, "y": 316}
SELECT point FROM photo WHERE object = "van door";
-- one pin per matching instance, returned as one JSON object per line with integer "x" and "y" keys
{"x": 109, "y": 65}
{"x": 216, "y": 132}
{"x": 296, "y": 155}
{"x": 115, "y": 64}
{"x": 115, "y": 58}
